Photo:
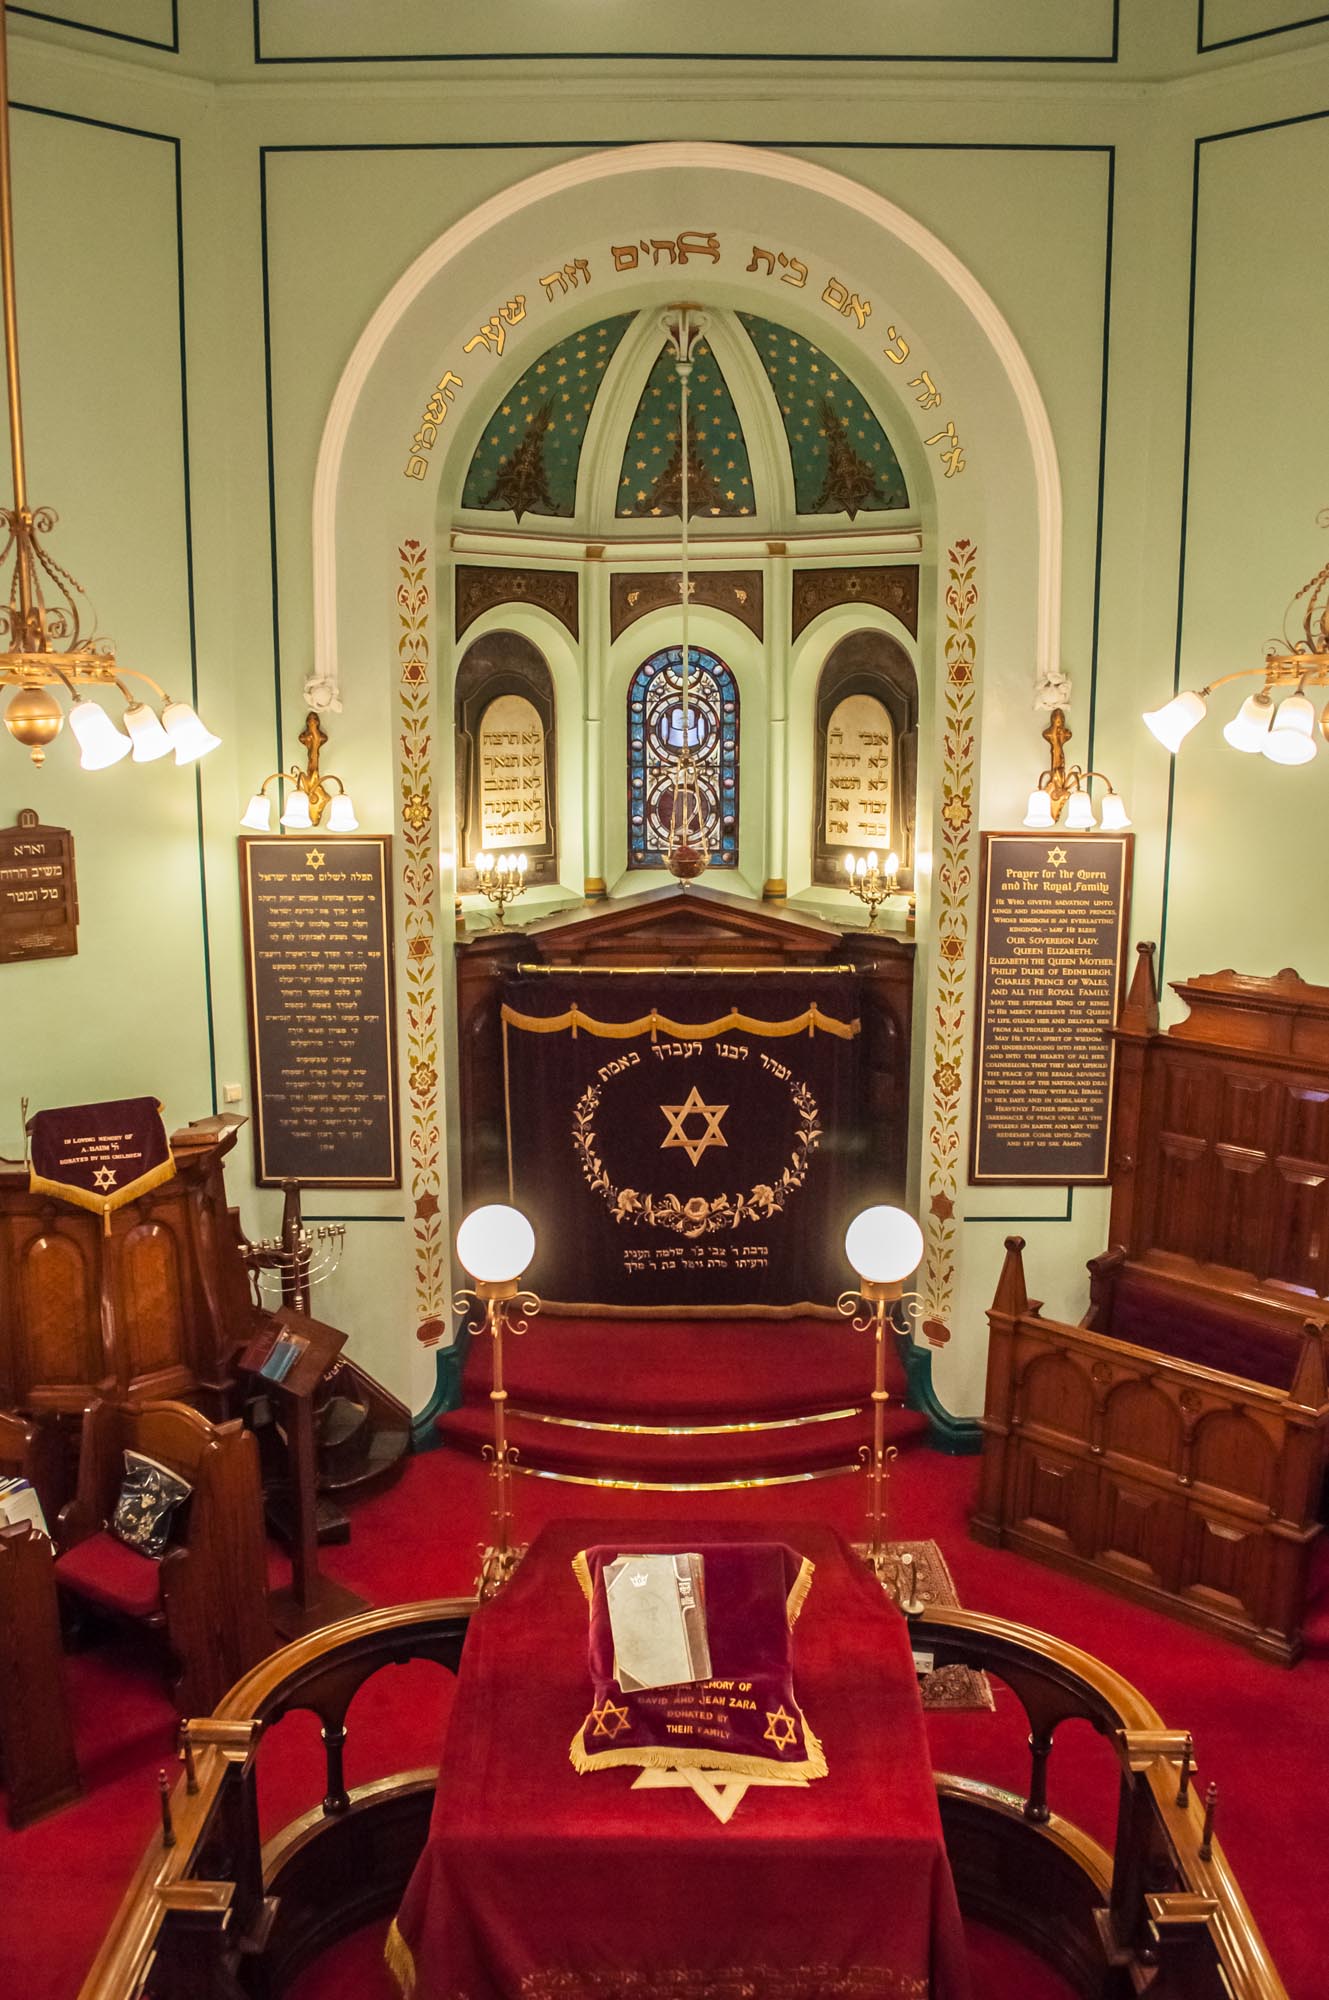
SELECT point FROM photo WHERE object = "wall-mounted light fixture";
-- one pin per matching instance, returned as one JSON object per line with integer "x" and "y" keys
{"x": 1066, "y": 788}
{"x": 309, "y": 797}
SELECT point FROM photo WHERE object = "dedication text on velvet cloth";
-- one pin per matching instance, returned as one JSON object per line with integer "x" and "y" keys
{"x": 686, "y": 1141}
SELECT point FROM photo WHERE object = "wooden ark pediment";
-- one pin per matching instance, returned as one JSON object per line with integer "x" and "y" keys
{"x": 681, "y": 930}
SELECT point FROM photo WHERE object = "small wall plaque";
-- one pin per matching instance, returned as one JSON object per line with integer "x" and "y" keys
{"x": 38, "y": 892}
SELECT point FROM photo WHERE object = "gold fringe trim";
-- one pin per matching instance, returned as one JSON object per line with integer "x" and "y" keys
{"x": 103, "y": 1204}
{"x": 400, "y": 1960}
{"x": 581, "y": 1569}
{"x": 621, "y": 1031}
{"x": 798, "y": 1592}
{"x": 663, "y": 1758}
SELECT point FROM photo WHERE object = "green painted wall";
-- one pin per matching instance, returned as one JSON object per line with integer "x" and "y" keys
{"x": 1190, "y": 422}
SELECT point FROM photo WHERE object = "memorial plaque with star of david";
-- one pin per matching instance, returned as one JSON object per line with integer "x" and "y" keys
{"x": 317, "y": 915}
{"x": 1053, "y": 928}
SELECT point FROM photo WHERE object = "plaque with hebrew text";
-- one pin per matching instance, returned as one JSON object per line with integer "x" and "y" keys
{"x": 1053, "y": 927}
{"x": 318, "y": 954}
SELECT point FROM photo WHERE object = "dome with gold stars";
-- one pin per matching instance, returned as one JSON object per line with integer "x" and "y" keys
{"x": 777, "y": 431}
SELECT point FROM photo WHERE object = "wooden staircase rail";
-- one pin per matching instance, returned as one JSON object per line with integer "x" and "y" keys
{"x": 1163, "y": 1912}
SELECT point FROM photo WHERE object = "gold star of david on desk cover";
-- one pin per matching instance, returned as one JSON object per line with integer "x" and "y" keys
{"x": 779, "y": 1728}
{"x": 692, "y": 1106}
{"x": 609, "y": 1720}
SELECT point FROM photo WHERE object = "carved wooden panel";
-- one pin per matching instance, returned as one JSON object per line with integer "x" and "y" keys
{"x": 148, "y": 1281}
{"x": 58, "y": 1302}
{"x": 1139, "y": 1533}
{"x": 1223, "y": 1563}
{"x": 1049, "y": 1498}
{"x": 1141, "y": 1423}
{"x": 1057, "y": 1396}
{"x": 632, "y": 593}
{"x": 891, "y": 587}
{"x": 481, "y": 588}
{"x": 1233, "y": 1453}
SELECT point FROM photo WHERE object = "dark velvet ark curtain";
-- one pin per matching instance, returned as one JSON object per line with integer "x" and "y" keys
{"x": 683, "y": 1142}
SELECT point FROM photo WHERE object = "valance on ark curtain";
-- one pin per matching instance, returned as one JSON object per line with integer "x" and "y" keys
{"x": 683, "y": 1142}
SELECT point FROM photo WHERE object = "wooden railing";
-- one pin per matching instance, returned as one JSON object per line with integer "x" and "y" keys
{"x": 211, "y": 1914}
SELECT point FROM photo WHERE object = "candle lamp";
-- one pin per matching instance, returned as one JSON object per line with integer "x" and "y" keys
{"x": 501, "y": 878}
{"x": 871, "y": 880}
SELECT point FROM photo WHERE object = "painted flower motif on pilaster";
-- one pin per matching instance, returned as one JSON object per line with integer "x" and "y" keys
{"x": 420, "y": 903}
{"x": 954, "y": 883}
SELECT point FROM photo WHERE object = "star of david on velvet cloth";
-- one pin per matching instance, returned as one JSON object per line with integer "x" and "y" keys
{"x": 609, "y": 1720}
{"x": 678, "y": 1114}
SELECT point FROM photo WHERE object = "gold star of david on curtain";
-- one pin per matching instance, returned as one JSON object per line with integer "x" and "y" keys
{"x": 678, "y": 1114}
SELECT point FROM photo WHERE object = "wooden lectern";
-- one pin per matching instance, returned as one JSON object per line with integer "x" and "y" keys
{"x": 311, "y": 1599}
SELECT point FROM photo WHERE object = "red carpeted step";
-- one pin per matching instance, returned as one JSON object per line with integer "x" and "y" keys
{"x": 660, "y": 1371}
{"x": 571, "y": 1451}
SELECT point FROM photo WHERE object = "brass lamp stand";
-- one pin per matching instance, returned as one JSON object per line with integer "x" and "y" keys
{"x": 885, "y": 1245}
{"x": 495, "y": 1244}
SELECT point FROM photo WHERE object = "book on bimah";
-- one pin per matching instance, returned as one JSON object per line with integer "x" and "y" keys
{"x": 18, "y": 1502}
{"x": 657, "y": 1614}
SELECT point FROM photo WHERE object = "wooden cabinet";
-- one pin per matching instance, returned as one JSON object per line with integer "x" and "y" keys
{"x": 154, "y": 1307}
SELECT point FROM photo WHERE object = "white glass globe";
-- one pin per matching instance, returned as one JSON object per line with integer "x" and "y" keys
{"x": 495, "y": 1243}
{"x": 884, "y": 1245}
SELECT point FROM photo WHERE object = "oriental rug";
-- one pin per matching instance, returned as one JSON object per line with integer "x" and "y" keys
{"x": 953, "y": 1687}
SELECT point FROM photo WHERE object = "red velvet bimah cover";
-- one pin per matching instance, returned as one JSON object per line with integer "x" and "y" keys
{"x": 542, "y": 1883}
{"x": 745, "y": 1718}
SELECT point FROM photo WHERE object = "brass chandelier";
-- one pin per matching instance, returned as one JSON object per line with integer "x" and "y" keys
{"x": 1283, "y": 730}
{"x": 46, "y": 632}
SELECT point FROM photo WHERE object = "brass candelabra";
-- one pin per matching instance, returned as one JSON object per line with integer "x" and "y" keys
{"x": 500, "y": 878}
{"x": 872, "y": 880}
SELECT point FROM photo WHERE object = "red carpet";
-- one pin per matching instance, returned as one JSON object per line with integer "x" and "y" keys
{"x": 682, "y": 1402}
{"x": 1260, "y": 1730}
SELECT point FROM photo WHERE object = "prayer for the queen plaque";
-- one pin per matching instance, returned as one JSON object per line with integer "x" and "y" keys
{"x": 1053, "y": 930}
{"x": 318, "y": 954}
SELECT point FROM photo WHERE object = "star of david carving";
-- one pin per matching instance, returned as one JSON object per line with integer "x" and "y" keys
{"x": 609, "y": 1721}
{"x": 692, "y": 1106}
{"x": 104, "y": 1178}
{"x": 314, "y": 857}
{"x": 779, "y": 1728}
{"x": 1056, "y": 855}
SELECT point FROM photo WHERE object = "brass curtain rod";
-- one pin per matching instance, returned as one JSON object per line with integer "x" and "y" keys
{"x": 689, "y": 971}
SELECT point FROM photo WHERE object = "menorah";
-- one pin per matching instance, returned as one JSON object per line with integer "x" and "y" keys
{"x": 298, "y": 1258}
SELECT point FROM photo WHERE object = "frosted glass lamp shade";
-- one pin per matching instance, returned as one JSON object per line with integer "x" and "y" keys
{"x": 884, "y": 1245}
{"x": 495, "y": 1243}
{"x": 1115, "y": 817}
{"x": 1172, "y": 723}
{"x": 189, "y": 739}
{"x": 1291, "y": 737}
{"x": 296, "y": 814}
{"x": 1038, "y": 812}
{"x": 149, "y": 739}
{"x": 1079, "y": 813}
{"x": 258, "y": 814}
{"x": 98, "y": 738}
{"x": 341, "y": 815}
{"x": 1250, "y": 725}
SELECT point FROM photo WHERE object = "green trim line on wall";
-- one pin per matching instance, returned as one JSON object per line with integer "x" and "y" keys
{"x": 957, "y": 1436}
{"x": 671, "y": 55}
{"x": 171, "y": 48}
{"x": 1204, "y": 48}
{"x": 170, "y": 139}
{"x": 1206, "y": 139}
{"x": 447, "y": 1396}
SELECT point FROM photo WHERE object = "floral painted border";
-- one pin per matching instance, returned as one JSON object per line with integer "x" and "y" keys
{"x": 954, "y": 881}
{"x": 419, "y": 885}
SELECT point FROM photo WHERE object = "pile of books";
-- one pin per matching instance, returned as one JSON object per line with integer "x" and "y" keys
{"x": 18, "y": 1503}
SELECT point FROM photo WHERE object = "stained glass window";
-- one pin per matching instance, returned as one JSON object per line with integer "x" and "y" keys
{"x": 655, "y": 735}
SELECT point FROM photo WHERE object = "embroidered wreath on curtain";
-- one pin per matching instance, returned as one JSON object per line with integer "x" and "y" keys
{"x": 697, "y": 1215}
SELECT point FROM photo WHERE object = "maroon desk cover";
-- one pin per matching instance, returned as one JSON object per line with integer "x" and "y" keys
{"x": 537, "y": 1883}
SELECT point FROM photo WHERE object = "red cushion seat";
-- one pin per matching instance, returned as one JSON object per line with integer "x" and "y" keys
{"x": 107, "y": 1573}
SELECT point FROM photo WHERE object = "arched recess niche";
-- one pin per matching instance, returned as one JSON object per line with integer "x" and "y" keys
{"x": 413, "y": 396}
{"x": 505, "y": 742}
{"x": 865, "y": 740}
